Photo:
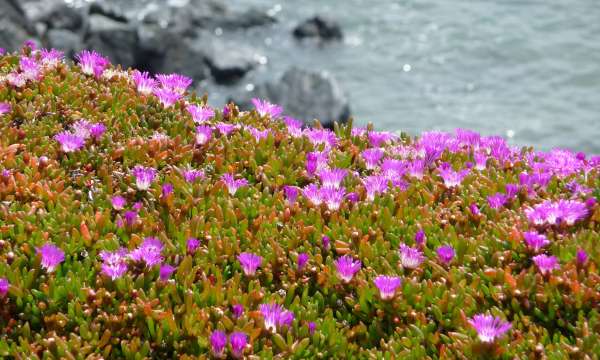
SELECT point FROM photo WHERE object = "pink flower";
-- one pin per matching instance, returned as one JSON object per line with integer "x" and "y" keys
{"x": 452, "y": 178}
{"x": 144, "y": 83}
{"x": 5, "y": 108}
{"x": 51, "y": 255}
{"x": 546, "y": 263}
{"x": 225, "y": 129}
{"x": 203, "y": 134}
{"x": 489, "y": 327}
{"x": 250, "y": 262}
{"x": 535, "y": 241}
{"x": 69, "y": 142}
{"x": 264, "y": 107}
{"x": 347, "y": 267}
{"x": 92, "y": 63}
{"x": 387, "y": 286}
{"x": 114, "y": 263}
{"x": 30, "y": 69}
{"x": 313, "y": 194}
{"x": 167, "y": 97}
{"x": 375, "y": 184}
{"x": 332, "y": 177}
{"x": 166, "y": 271}
{"x": 143, "y": 176}
{"x": 410, "y": 258}
{"x": 332, "y": 197}
{"x": 232, "y": 184}
{"x": 148, "y": 252}
{"x": 200, "y": 114}
{"x": 372, "y": 157}
{"x": 174, "y": 82}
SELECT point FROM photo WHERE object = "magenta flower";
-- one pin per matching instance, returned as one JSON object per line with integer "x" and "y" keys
{"x": 489, "y": 327}
{"x": 203, "y": 134}
{"x": 275, "y": 316}
{"x": 316, "y": 161}
{"x": 258, "y": 134}
{"x": 218, "y": 342}
{"x": 237, "y": 310}
{"x": 554, "y": 213}
{"x": 416, "y": 169}
{"x": 323, "y": 137}
{"x": 238, "y": 341}
{"x": 313, "y": 194}
{"x": 4, "y": 286}
{"x": 291, "y": 193}
{"x": 51, "y": 255}
{"x": 480, "y": 161}
{"x": 144, "y": 83}
{"x": 582, "y": 257}
{"x": 445, "y": 254}
{"x": 375, "y": 184}
{"x": 387, "y": 286}
{"x": 5, "y": 108}
{"x": 167, "y": 189}
{"x": 167, "y": 97}
{"x": 420, "y": 238}
{"x": 30, "y": 69}
{"x": 372, "y": 157}
{"x": 358, "y": 131}
{"x": 118, "y": 202}
{"x": 232, "y": 184}
{"x": 200, "y": 114}
{"x": 166, "y": 271}
{"x": 325, "y": 241}
{"x": 69, "y": 142}
{"x": 2, "y": 51}
{"x": 144, "y": 176}
{"x": 497, "y": 200}
{"x": 250, "y": 262}
{"x": 294, "y": 127}
{"x": 301, "y": 261}
{"x": 264, "y": 107}
{"x": 192, "y": 175}
{"x": 546, "y": 263}
{"x": 535, "y": 241}
{"x": 51, "y": 58}
{"x": 378, "y": 138}
{"x": 114, "y": 263}
{"x": 92, "y": 63}
{"x": 474, "y": 209}
{"x": 192, "y": 245}
{"x": 410, "y": 258}
{"x": 16, "y": 79}
{"x": 347, "y": 267}
{"x": 452, "y": 178}
{"x": 332, "y": 177}
{"x": 130, "y": 217}
{"x": 148, "y": 252}
{"x": 512, "y": 190}
{"x": 312, "y": 327}
{"x": 174, "y": 82}
{"x": 97, "y": 130}
{"x": 332, "y": 197}
{"x": 225, "y": 129}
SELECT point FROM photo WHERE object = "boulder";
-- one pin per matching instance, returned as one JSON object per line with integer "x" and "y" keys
{"x": 54, "y": 14}
{"x": 305, "y": 95}
{"x": 252, "y": 17}
{"x": 229, "y": 61}
{"x": 66, "y": 40}
{"x": 114, "y": 39}
{"x": 318, "y": 27}
{"x": 14, "y": 27}
{"x": 164, "y": 51}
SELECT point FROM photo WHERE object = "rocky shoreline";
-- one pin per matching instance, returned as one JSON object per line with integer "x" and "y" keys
{"x": 182, "y": 36}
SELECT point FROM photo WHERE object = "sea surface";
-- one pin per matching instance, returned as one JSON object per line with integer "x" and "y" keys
{"x": 527, "y": 70}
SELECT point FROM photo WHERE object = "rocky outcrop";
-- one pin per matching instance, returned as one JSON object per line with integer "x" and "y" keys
{"x": 305, "y": 95}
{"x": 319, "y": 27}
{"x": 14, "y": 27}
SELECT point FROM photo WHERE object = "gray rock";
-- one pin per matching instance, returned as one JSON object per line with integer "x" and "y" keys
{"x": 305, "y": 95}
{"x": 66, "y": 40}
{"x": 174, "y": 55}
{"x": 114, "y": 39}
{"x": 319, "y": 27}
{"x": 250, "y": 18}
{"x": 14, "y": 27}
{"x": 229, "y": 61}
{"x": 55, "y": 14}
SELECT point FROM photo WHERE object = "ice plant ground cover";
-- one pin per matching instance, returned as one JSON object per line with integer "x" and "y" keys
{"x": 125, "y": 234}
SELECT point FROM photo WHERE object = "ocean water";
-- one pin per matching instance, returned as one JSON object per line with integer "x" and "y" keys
{"x": 527, "y": 70}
